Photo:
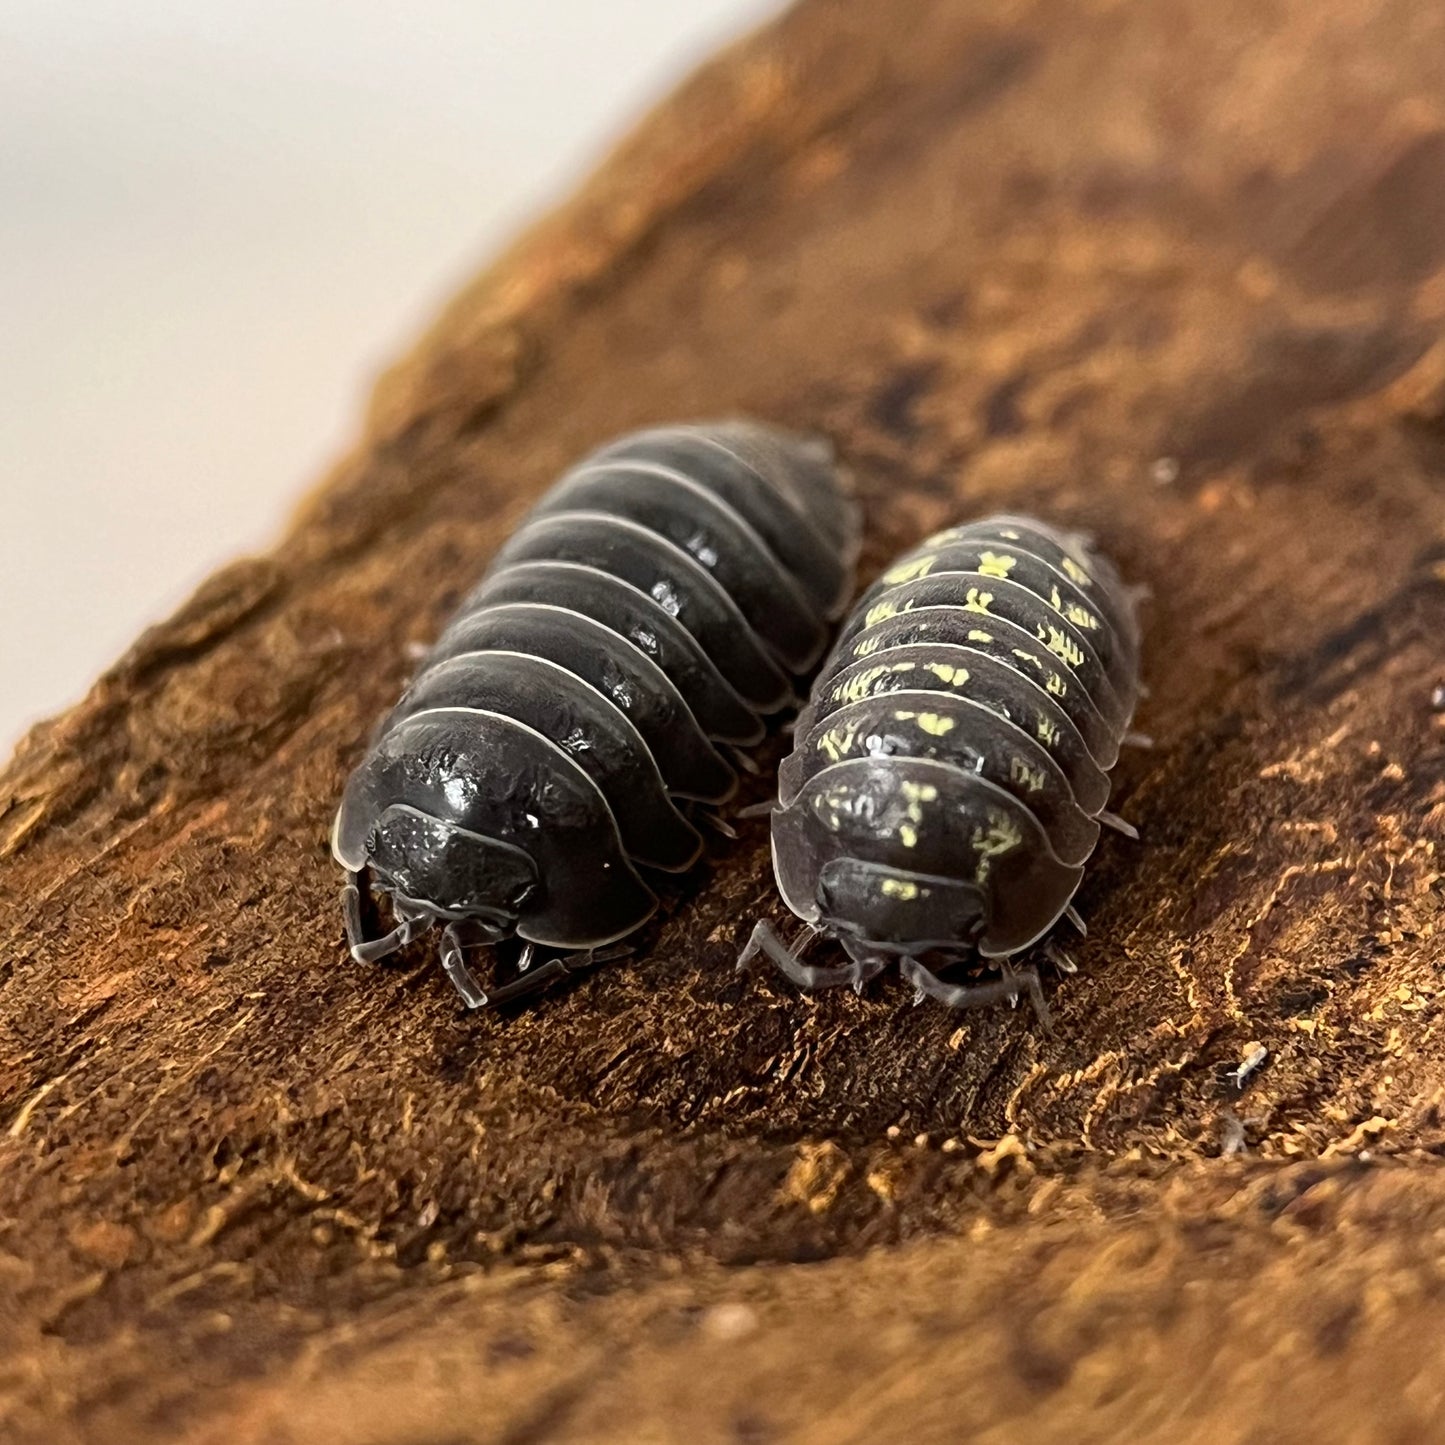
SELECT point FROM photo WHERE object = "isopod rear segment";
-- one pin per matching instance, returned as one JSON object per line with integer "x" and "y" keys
{"x": 950, "y": 772}
{"x": 588, "y": 698}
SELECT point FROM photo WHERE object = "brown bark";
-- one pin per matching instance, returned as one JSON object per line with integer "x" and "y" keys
{"x": 1175, "y": 272}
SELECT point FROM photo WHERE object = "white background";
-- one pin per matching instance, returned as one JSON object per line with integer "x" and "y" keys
{"x": 217, "y": 222}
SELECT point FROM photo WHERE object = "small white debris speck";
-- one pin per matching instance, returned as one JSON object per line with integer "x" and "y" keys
{"x": 1231, "y": 1138}
{"x": 1254, "y": 1056}
{"x": 730, "y": 1321}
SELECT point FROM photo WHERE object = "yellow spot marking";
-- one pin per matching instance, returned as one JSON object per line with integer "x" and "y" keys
{"x": 867, "y": 647}
{"x": 901, "y": 888}
{"x": 1009, "y": 533}
{"x": 1019, "y": 771}
{"x": 1055, "y": 684}
{"x": 1061, "y": 645}
{"x": 1079, "y": 616}
{"x": 934, "y": 725}
{"x": 882, "y": 611}
{"x": 857, "y": 688}
{"x": 974, "y": 635}
{"x": 946, "y": 672}
{"x": 1075, "y": 573}
{"x": 838, "y": 742}
{"x": 1027, "y": 657}
{"x": 977, "y": 601}
{"x": 929, "y": 722}
{"x": 911, "y": 568}
{"x": 1047, "y": 730}
{"x": 1001, "y": 836}
{"x": 996, "y": 564}
{"x": 917, "y": 794}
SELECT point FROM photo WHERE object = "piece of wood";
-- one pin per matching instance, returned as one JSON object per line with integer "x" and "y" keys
{"x": 1172, "y": 272}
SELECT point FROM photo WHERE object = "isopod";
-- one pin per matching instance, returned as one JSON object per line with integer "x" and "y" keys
{"x": 588, "y": 700}
{"x": 951, "y": 770}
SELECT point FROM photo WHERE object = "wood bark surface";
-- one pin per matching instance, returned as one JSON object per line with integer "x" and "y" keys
{"x": 1172, "y": 272}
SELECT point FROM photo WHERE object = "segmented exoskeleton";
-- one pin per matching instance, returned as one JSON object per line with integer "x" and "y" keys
{"x": 950, "y": 772}
{"x": 652, "y": 609}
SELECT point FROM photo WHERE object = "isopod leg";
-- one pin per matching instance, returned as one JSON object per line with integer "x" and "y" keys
{"x": 533, "y": 981}
{"x": 351, "y": 912}
{"x": 1119, "y": 825}
{"x": 530, "y": 979}
{"x": 765, "y": 940}
{"x": 977, "y": 995}
{"x": 716, "y": 823}
{"x": 463, "y": 979}
{"x": 757, "y": 810}
{"x": 368, "y": 950}
{"x": 609, "y": 954}
{"x": 741, "y": 761}
{"x": 866, "y": 965}
{"x": 1059, "y": 958}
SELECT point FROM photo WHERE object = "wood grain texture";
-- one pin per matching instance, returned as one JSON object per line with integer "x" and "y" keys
{"x": 1172, "y": 272}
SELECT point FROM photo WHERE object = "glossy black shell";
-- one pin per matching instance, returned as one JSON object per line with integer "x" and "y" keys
{"x": 657, "y": 602}
{"x": 948, "y": 774}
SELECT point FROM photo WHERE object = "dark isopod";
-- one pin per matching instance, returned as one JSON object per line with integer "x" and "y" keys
{"x": 950, "y": 773}
{"x": 652, "y": 609}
